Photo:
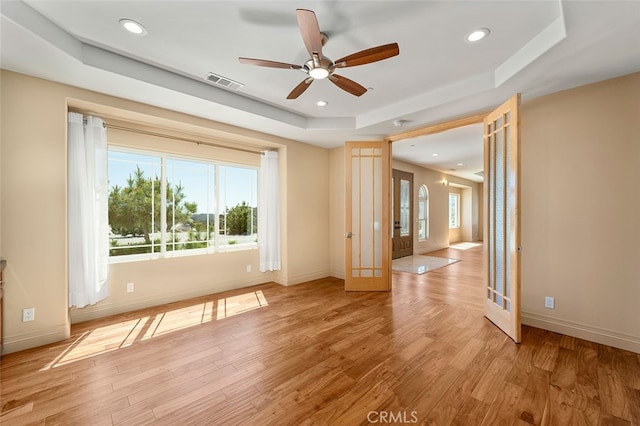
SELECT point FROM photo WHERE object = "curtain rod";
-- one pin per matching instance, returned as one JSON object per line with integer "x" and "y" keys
{"x": 178, "y": 138}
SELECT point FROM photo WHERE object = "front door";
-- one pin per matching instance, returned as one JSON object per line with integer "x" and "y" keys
{"x": 367, "y": 222}
{"x": 402, "y": 199}
{"x": 502, "y": 217}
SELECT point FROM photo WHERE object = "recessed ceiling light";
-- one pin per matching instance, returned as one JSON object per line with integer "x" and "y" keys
{"x": 322, "y": 103}
{"x": 133, "y": 27}
{"x": 460, "y": 164}
{"x": 434, "y": 155}
{"x": 477, "y": 35}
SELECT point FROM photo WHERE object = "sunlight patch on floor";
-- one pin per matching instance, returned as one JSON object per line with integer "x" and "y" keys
{"x": 235, "y": 305}
{"x": 465, "y": 246}
{"x": 420, "y": 264}
{"x": 123, "y": 334}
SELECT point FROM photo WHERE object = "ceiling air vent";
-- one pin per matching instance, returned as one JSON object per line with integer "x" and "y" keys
{"x": 223, "y": 81}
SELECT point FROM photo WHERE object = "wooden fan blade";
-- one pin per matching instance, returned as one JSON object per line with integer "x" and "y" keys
{"x": 266, "y": 63}
{"x": 348, "y": 85}
{"x": 300, "y": 88}
{"x": 367, "y": 56}
{"x": 310, "y": 31}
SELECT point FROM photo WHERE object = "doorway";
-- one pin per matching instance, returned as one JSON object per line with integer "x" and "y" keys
{"x": 461, "y": 213}
{"x": 501, "y": 209}
{"x": 402, "y": 207}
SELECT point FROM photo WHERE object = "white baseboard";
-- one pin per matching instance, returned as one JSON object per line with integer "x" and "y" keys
{"x": 583, "y": 331}
{"x": 337, "y": 274}
{"x": 303, "y": 278}
{"x": 106, "y": 308}
{"x": 31, "y": 340}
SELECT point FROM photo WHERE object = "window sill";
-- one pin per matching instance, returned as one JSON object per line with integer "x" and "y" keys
{"x": 181, "y": 253}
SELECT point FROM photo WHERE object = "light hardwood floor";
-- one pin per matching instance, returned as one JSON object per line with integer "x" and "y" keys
{"x": 313, "y": 354}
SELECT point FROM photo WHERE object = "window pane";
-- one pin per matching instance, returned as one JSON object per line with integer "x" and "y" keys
{"x": 190, "y": 206}
{"x": 422, "y": 229}
{"x": 238, "y": 196}
{"x": 167, "y": 205}
{"x": 423, "y": 208}
{"x": 454, "y": 210}
{"x": 134, "y": 203}
{"x": 405, "y": 203}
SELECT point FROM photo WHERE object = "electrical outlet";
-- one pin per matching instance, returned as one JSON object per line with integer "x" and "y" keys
{"x": 28, "y": 314}
{"x": 549, "y": 302}
{"x": 248, "y": 268}
{"x": 130, "y": 287}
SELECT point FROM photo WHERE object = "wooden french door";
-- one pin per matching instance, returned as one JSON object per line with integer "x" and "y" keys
{"x": 402, "y": 211}
{"x": 367, "y": 223}
{"x": 502, "y": 217}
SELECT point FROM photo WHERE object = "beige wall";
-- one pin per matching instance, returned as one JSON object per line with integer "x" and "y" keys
{"x": 466, "y": 219}
{"x": 307, "y": 213}
{"x": 336, "y": 211}
{"x": 439, "y": 232}
{"x": 581, "y": 211}
{"x": 33, "y": 191}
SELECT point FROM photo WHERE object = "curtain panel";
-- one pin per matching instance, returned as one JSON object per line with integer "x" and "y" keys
{"x": 269, "y": 212}
{"x": 88, "y": 223}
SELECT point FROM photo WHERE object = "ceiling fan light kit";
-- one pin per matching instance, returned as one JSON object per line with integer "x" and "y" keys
{"x": 319, "y": 67}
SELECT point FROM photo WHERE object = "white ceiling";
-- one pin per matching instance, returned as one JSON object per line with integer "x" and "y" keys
{"x": 458, "y": 151}
{"x": 535, "y": 47}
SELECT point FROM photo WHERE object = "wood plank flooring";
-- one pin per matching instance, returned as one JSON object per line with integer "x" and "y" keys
{"x": 313, "y": 354}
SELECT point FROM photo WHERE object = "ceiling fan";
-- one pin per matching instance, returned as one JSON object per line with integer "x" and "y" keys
{"x": 319, "y": 66}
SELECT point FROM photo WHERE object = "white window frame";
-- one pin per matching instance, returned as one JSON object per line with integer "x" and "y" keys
{"x": 216, "y": 247}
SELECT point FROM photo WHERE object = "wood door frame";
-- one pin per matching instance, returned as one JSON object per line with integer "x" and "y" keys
{"x": 442, "y": 127}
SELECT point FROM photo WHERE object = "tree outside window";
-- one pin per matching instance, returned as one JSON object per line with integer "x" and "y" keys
{"x": 163, "y": 205}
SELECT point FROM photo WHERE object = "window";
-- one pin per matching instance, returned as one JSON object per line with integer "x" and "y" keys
{"x": 454, "y": 210}
{"x": 423, "y": 213}
{"x": 162, "y": 205}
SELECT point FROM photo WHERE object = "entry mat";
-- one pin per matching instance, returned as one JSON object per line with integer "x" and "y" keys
{"x": 419, "y": 264}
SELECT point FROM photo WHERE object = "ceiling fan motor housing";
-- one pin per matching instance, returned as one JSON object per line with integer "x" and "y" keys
{"x": 318, "y": 64}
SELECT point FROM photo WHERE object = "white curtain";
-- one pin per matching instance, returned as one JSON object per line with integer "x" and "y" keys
{"x": 269, "y": 212}
{"x": 88, "y": 221}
